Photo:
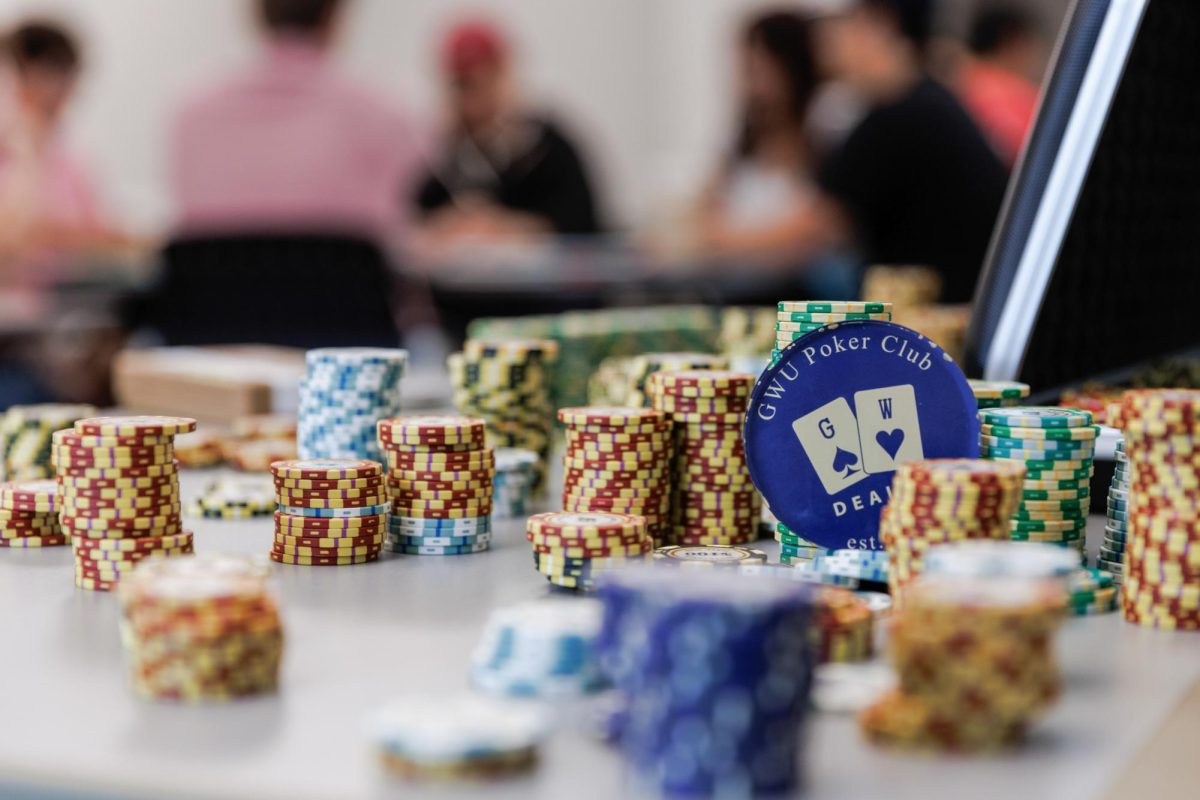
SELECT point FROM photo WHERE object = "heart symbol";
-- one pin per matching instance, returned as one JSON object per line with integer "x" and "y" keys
{"x": 890, "y": 441}
{"x": 843, "y": 460}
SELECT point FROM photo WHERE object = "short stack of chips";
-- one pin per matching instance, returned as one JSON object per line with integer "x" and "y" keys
{"x": 332, "y": 512}
{"x": 344, "y": 393}
{"x": 642, "y": 367}
{"x": 795, "y": 318}
{"x": 235, "y": 497}
{"x": 1091, "y": 591}
{"x": 843, "y": 627}
{"x": 516, "y": 473}
{"x": 1161, "y": 572}
{"x": 203, "y": 628}
{"x": 507, "y": 384}
{"x": 708, "y": 556}
{"x": 975, "y": 661}
{"x": 119, "y": 494}
{"x": 573, "y": 549}
{"x": 998, "y": 394}
{"x": 713, "y": 500}
{"x": 795, "y": 549}
{"x": 715, "y": 669}
{"x": 1056, "y": 446}
{"x": 440, "y": 479}
{"x": 944, "y": 500}
{"x": 1111, "y": 557}
{"x": 29, "y": 514}
{"x": 617, "y": 460}
{"x": 846, "y": 567}
{"x": 25, "y": 438}
{"x": 541, "y": 648}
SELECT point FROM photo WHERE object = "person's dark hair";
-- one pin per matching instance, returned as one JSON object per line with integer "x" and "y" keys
{"x": 297, "y": 16}
{"x": 786, "y": 37}
{"x": 43, "y": 44}
{"x": 914, "y": 18}
{"x": 997, "y": 25}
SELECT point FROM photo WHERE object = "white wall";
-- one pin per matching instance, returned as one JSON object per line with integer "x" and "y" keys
{"x": 644, "y": 84}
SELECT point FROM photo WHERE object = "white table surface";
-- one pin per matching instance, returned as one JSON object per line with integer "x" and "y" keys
{"x": 359, "y": 635}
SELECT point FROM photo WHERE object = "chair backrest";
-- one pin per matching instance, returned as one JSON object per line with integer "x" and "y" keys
{"x": 292, "y": 290}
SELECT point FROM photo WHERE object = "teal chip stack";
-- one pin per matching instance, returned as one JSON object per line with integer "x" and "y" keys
{"x": 998, "y": 394}
{"x": 795, "y": 318}
{"x": 1091, "y": 591}
{"x": 516, "y": 473}
{"x": 1057, "y": 447}
{"x": 345, "y": 392}
{"x": 1116, "y": 527}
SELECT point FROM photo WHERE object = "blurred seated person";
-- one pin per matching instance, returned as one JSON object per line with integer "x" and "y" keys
{"x": 289, "y": 144}
{"x": 502, "y": 173}
{"x": 50, "y": 220}
{"x": 998, "y": 81}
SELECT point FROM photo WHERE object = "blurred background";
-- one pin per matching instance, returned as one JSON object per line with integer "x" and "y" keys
{"x": 308, "y": 172}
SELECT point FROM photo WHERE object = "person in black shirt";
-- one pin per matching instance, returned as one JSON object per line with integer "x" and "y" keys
{"x": 915, "y": 181}
{"x": 502, "y": 174}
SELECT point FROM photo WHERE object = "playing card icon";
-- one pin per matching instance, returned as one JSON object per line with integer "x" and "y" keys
{"x": 844, "y": 462}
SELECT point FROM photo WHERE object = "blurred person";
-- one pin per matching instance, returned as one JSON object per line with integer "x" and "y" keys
{"x": 502, "y": 173}
{"x": 998, "y": 81}
{"x": 289, "y": 144}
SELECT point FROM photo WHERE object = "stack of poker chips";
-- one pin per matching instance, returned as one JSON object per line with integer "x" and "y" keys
{"x": 119, "y": 494}
{"x": 617, "y": 461}
{"x": 542, "y": 648}
{"x": 1056, "y": 446}
{"x": 795, "y": 318}
{"x": 998, "y": 394}
{"x": 1091, "y": 591}
{"x": 439, "y": 479}
{"x": 715, "y": 669}
{"x": 1161, "y": 572}
{"x": 573, "y": 549}
{"x": 708, "y": 556}
{"x": 975, "y": 662}
{"x": 235, "y": 497}
{"x": 843, "y": 627}
{"x": 846, "y": 567}
{"x": 1116, "y": 527}
{"x": 345, "y": 392}
{"x": 29, "y": 514}
{"x": 461, "y": 737}
{"x": 746, "y": 332}
{"x": 200, "y": 629}
{"x": 507, "y": 384}
{"x": 332, "y": 512}
{"x": 25, "y": 438}
{"x": 512, "y": 488}
{"x": 944, "y": 500}
{"x": 640, "y": 368}
{"x": 713, "y": 500}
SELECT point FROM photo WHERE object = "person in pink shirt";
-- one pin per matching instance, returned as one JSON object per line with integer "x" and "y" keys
{"x": 289, "y": 145}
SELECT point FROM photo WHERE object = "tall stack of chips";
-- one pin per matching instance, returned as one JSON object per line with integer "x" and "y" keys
{"x": 944, "y": 500}
{"x": 1056, "y": 446}
{"x": 798, "y": 317}
{"x": 345, "y": 392}
{"x": 540, "y": 649}
{"x": 573, "y": 549}
{"x": 998, "y": 394}
{"x": 516, "y": 473}
{"x": 1111, "y": 557}
{"x": 715, "y": 668}
{"x": 713, "y": 500}
{"x": 975, "y": 661}
{"x": 332, "y": 512}
{"x": 507, "y": 384}
{"x": 1161, "y": 572}
{"x": 439, "y": 478}
{"x": 119, "y": 494}
{"x": 29, "y": 514}
{"x": 643, "y": 366}
{"x": 25, "y": 438}
{"x": 199, "y": 629}
{"x": 617, "y": 460}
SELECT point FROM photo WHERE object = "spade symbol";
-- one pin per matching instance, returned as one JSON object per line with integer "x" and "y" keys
{"x": 844, "y": 461}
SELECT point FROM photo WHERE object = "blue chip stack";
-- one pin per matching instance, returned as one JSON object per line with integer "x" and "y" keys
{"x": 715, "y": 668}
{"x": 344, "y": 393}
{"x": 516, "y": 475}
{"x": 849, "y": 568}
{"x": 1112, "y": 550}
{"x": 544, "y": 648}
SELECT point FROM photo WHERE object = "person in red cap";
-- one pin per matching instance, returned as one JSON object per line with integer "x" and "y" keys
{"x": 501, "y": 173}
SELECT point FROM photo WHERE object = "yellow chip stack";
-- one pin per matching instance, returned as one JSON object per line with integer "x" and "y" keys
{"x": 25, "y": 438}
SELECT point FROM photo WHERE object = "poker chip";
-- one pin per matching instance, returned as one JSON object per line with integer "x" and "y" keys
{"x": 326, "y": 469}
{"x": 539, "y": 649}
{"x": 588, "y": 538}
{"x": 990, "y": 394}
{"x": 708, "y": 556}
{"x": 257, "y": 455}
{"x": 515, "y": 482}
{"x": 834, "y": 307}
{"x": 26, "y": 434}
{"x": 843, "y": 628}
{"x": 344, "y": 394}
{"x": 135, "y": 426}
{"x": 1117, "y": 515}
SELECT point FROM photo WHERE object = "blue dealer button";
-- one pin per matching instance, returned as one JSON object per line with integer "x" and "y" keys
{"x": 829, "y": 423}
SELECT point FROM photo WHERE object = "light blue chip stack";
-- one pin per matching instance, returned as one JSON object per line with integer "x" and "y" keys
{"x": 344, "y": 393}
{"x": 416, "y": 536}
{"x": 544, "y": 648}
{"x": 1111, "y": 557}
{"x": 848, "y": 568}
{"x": 516, "y": 474}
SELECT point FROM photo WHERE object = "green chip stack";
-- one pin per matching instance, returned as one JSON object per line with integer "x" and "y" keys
{"x": 25, "y": 438}
{"x": 1091, "y": 591}
{"x": 795, "y": 318}
{"x": 1116, "y": 527}
{"x": 507, "y": 384}
{"x": 998, "y": 394}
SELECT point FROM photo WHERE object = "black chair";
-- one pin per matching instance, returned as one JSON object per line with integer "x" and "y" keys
{"x": 292, "y": 290}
